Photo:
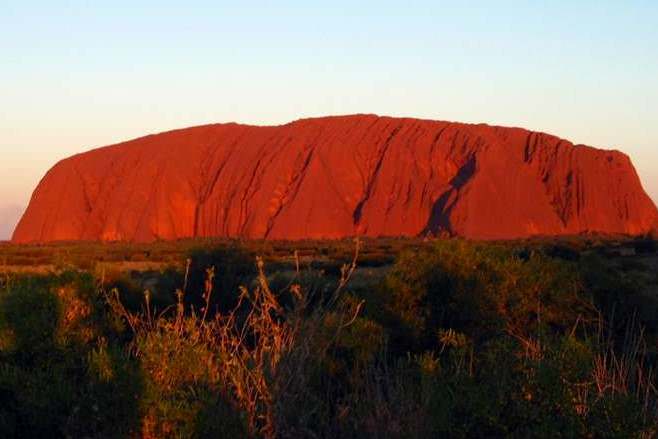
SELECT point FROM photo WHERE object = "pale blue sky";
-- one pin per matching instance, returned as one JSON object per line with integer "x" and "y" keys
{"x": 76, "y": 75}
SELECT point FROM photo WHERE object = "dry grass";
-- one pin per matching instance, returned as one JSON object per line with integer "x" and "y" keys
{"x": 256, "y": 354}
{"x": 281, "y": 363}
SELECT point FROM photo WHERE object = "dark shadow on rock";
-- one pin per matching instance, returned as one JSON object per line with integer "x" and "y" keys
{"x": 439, "y": 221}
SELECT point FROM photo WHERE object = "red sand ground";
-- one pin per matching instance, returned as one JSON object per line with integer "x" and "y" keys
{"x": 335, "y": 177}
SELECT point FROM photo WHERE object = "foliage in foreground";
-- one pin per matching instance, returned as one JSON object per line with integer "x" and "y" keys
{"x": 460, "y": 340}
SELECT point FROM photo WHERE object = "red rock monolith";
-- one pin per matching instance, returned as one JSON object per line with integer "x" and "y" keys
{"x": 335, "y": 177}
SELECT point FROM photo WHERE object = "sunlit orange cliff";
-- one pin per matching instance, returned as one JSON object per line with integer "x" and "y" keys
{"x": 335, "y": 177}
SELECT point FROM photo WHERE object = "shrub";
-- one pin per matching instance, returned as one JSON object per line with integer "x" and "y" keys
{"x": 232, "y": 267}
{"x": 646, "y": 245}
{"x": 482, "y": 290}
{"x": 460, "y": 340}
{"x": 29, "y": 319}
{"x": 52, "y": 352}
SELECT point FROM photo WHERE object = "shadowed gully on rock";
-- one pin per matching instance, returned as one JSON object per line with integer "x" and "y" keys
{"x": 335, "y": 177}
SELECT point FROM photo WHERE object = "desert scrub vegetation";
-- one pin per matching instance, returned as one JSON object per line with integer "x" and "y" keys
{"x": 457, "y": 340}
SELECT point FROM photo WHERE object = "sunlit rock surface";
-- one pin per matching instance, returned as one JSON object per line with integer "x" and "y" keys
{"x": 335, "y": 177}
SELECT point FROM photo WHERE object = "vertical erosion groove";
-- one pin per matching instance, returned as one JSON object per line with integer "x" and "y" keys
{"x": 358, "y": 212}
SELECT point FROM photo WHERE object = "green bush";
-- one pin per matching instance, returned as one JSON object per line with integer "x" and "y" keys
{"x": 233, "y": 267}
{"x": 29, "y": 318}
{"x": 482, "y": 290}
{"x": 459, "y": 340}
{"x": 183, "y": 394}
{"x": 53, "y": 344}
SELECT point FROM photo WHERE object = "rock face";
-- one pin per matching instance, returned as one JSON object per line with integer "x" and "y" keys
{"x": 335, "y": 177}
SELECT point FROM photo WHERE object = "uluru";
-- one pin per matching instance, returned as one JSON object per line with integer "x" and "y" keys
{"x": 336, "y": 177}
